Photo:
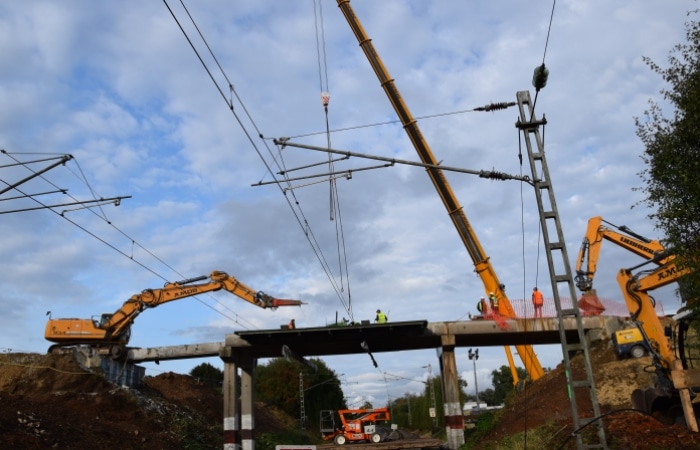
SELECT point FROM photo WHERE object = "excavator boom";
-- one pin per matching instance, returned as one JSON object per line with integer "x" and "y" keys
{"x": 587, "y": 262}
{"x": 111, "y": 333}
{"x": 635, "y": 287}
{"x": 671, "y": 376}
{"x": 589, "y": 252}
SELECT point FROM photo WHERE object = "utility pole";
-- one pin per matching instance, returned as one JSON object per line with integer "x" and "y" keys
{"x": 560, "y": 274}
{"x": 408, "y": 402}
{"x": 473, "y": 356}
{"x": 433, "y": 410}
{"x": 302, "y": 412}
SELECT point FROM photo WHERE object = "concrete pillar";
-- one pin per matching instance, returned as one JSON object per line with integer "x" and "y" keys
{"x": 454, "y": 418}
{"x": 247, "y": 419}
{"x": 232, "y": 416}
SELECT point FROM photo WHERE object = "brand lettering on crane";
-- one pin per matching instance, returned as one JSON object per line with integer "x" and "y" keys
{"x": 185, "y": 292}
{"x": 635, "y": 244}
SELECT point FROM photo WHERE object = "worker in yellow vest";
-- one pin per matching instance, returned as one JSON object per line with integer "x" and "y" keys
{"x": 482, "y": 307}
{"x": 494, "y": 303}
{"x": 381, "y": 317}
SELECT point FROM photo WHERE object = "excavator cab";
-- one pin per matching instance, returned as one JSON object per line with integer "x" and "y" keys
{"x": 104, "y": 320}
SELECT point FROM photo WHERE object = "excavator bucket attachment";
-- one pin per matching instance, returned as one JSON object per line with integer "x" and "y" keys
{"x": 276, "y": 302}
{"x": 590, "y": 305}
{"x": 660, "y": 404}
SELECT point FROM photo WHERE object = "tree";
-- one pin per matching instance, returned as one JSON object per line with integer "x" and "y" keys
{"x": 672, "y": 157}
{"x": 502, "y": 380}
{"x": 277, "y": 383}
{"x": 366, "y": 405}
{"x": 487, "y": 396}
{"x": 208, "y": 374}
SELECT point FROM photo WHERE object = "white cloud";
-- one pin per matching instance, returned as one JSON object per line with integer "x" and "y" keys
{"x": 120, "y": 88}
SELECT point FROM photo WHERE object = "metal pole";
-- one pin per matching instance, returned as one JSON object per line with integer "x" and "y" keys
{"x": 433, "y": 411}
{"x": 474, "y": 356}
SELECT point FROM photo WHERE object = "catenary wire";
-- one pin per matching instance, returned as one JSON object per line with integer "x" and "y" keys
{"x": 111, "y": 224}
{"x": 335, "y": 206}
{"x": 546, "y": 44}
{"x": 298, "y": 213}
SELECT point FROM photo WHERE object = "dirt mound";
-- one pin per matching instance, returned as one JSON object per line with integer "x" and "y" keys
{"x": 546, "y": 401}
{"x": 50, "y": 401}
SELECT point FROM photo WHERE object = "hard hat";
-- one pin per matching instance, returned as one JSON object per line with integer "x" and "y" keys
{"x": 482, "y": 297}
{"x": 491, "y": 293}
{"x": 378, "y": 310}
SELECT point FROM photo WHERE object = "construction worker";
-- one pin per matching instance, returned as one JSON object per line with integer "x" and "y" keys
{"x": 482, "y": 306}
{"x": 494, "y": 303}
{"x": 292, "y": 324}
{"x": 381, "y": 317}
{"x": 537, "y": 302}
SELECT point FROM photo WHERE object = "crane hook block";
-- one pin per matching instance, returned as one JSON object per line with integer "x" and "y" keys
{"x": 325, "y": 98}
{"x": 539, "y": 78}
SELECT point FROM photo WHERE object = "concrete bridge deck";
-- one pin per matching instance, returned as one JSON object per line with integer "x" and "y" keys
{"x": 392, "y": 336}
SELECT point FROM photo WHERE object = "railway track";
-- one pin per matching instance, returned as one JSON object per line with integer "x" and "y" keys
{"x": 387, "y": 445}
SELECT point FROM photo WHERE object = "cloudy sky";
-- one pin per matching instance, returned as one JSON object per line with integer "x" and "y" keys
{"x": 117, "y": 86}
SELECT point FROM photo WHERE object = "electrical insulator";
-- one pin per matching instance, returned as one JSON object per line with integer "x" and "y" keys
{"x": 539, "y": 78}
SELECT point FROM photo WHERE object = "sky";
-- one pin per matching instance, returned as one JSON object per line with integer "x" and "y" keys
{"x": 151, "y": 121}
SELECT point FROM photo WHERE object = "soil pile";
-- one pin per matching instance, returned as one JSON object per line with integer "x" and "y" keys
{"x": 546, "y": 401}
{"x": 49, "y": 401}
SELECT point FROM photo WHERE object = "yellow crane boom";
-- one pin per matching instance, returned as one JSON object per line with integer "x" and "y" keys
{"x": 481, "y": 262}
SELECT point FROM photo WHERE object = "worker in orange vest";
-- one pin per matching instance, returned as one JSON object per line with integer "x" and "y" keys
{"x": 537, "y": 302}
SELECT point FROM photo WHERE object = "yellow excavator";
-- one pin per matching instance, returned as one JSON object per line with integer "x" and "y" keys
{"x": 674, "y": 383}
{"x": 598, "y": 230}
{"x": 671, "y": 393}
{"x": 110, "y": 334}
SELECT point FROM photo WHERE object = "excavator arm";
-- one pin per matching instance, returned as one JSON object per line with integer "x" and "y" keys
{"x": 635, "y": 290}
{"x": 672, "y": 378}
{"x": 589, "y": 252}
{"x": 112, "y": 332}
{"x": 636, "y": 286}
{"x": 481, "y": 261}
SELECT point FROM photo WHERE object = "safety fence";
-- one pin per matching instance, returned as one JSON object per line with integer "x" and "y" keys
{"x": 525, "y": 309}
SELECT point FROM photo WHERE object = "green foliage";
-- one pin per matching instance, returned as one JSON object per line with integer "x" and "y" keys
{"x": 193, "y": 434}
{"x": 488, "y": 396}
{"x": 544, "y": 437}
{"x": 672, "y": 156}
{"x": 278, "y": 383}
{"x": 486, "y": 422}
{"x": 366, "y": 405}
{"x": 502, "y": 380}
{"x": 208, "y": 374}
